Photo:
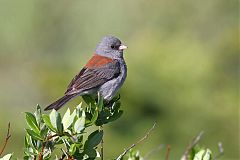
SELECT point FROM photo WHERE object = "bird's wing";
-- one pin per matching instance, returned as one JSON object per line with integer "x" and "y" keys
{"x": 94, "y": 75}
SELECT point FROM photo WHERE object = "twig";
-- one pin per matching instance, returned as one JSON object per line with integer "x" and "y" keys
{"x": 134, "y": 144}
{"x": 40, "y": 157}
{"x": 191, "y": 145}
{"x": 101, "y": 128}
{"x": 168, "y": 152}
{"x": 158, "y": 148}
{"x": 6, "y": 139}
{"x": 50, "y": 137}
{"x": 221, "y": 151}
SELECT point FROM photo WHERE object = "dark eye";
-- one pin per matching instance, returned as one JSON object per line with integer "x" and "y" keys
{"x": 112, "y": 46}
{"x": 116, "y": 47}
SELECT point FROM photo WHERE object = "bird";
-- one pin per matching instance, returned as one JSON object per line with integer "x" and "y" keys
{"x": 104, "y": 73}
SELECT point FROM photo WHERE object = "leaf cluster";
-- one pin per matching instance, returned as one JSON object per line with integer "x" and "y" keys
{"x": 46, "y": 133}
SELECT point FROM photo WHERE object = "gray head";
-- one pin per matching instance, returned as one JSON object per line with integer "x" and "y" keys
{"x": 111, "y": 47}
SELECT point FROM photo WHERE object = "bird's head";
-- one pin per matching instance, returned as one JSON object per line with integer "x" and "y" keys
{"x": 111, "y": 47}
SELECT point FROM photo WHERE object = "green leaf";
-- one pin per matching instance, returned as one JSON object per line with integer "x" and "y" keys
{"x": 199, "y": 155}
{"x": 134, "y": 155}
{"x": 93, "y": 139}
{"x": 30, "y": 152}
{"x": 79, "y": 110}
{"x": 105, "y": 113}
{"x": 66, "y": 119}
{"x": 47, "y": 155}
{"x": 92, "y": 153}
{"x": 73, "y": 115}
{"x": 100, "y": 102}
{"x": 103, "y": 117}
{"x": 115, "y": 116}
{"x": 203, "y": 155}
{"x": 72, "y": 149}
{"x": 80, "y": 123}
{"x": 31, "y": 143}
{"x": 56, "y": 120}
{"x": 6, "y": 157}
{"x": 26, "y": 141}
{"x": 44, "y": 131}
{"x": 88, "y": 99}
{"x": 94, "y": 118}
{"x": 88, "y": 117}
{"x": 47, "y": 121}
{"x": 116, "y": 106}
{"x": 32, "y": 123}
{"x": 53, "y": 118}
{"x": 208, "y": 155}
{"x": 26, "y": 156}
{"x": 116, "y": 98}
{"x": 38, "y": 114}
{"x": 34, "y": 135}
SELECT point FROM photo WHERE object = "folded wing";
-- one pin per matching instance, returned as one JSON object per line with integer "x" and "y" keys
{"x": 92, "y": 76}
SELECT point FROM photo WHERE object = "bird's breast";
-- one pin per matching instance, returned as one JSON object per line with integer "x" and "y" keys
{"x": 109, "y": 89}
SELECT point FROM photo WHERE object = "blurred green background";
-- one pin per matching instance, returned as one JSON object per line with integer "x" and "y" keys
{"x": 182, "y": 67}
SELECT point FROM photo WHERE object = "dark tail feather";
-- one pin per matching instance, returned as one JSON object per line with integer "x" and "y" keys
{"x": 59, "y": 103}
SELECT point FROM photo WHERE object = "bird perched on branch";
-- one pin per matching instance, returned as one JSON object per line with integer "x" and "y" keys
{"x": 105, "y": 73}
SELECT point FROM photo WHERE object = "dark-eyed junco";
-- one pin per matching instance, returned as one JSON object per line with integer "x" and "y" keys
{"x": 105, "y": 73}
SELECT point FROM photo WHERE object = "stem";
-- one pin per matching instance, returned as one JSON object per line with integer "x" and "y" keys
{"x": 158, "y": 148}
{"x": 101, "y": 129}
{"x": 6, "y": 139}
{"x": 40, "y": 157}
{"x": 191, "y": 145}
{"x": 168, "y": 152}
{"x": 134, "y": 144}
{"x": 221, "y": 151}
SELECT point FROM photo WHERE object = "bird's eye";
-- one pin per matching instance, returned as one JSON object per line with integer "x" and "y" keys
{"x": 112, "y": 46}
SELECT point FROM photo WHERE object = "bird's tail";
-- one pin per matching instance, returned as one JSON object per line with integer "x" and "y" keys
{"x": 60, "y": 102}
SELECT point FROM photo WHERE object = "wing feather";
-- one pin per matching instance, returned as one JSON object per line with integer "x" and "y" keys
{"x": 89, "y": 78}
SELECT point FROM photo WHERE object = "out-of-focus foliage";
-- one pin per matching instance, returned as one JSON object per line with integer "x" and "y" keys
{"x": 203, "y": 154}
{"x": 182, "y": 66}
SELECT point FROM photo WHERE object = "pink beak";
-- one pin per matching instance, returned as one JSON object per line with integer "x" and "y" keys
{"x": 122, "y": 47}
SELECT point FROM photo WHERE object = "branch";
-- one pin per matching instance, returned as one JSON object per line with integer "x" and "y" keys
{"x": 191, "y": 145}
{"x": 101, "y": 128}
{"x": 158, "y": 148}
{"x": 168, "y": 152}
{"x": 6, "y": 139}
{"x": 221, "y": 151}
{"x": 40, "y": 157}
{"x": 134, "y": 144}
